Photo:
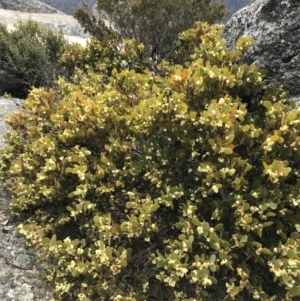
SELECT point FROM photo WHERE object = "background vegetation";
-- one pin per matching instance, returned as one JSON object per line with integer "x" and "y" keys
{"x": 234, "y": 6}
{"x": 154, "y": 23}
{"x": 68, "y": 6}
{"x": 28, "y": 57}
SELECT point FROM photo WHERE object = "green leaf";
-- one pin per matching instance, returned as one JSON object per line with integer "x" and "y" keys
{"x": 191, "y": 238}
{"x": 53, "y": 239}
{"x": 291, "y": 254}
{"x": 256, "y": 244}
{"x": 246, "y": 206}
{"x": 69, "y": 170}
{"x": 108, "y": 252}
{"x": 74, "y": 273}
{"x": 235, "y": 291}
{"x": 213, "y": 279}
{"x": 229, "y": 265}
{"x": 129, "y": 205}
{"x": 70, "y": 209}
{"x": 96, "y": 219}
{"x": 218, "y": 227}
{"x": 267, "y": 104}
{"x": 228, "y": 151}
{"x": 266, "y": 251}
{"x": 259, "y": 232}
{"x": 212, "y": 258}
{"x": 182, "y": 237}
{"x": 211, "y": 142}
{"x": 202, "y": 274}
{"x": 278, "y": 263}
{"x": 285, "y": 278}
{"x": 244, "y": 239}
{"x": 46, "y": 241}
{"x": 267, "y": 224}
{"x": 272, "y": 205}
{"x": 295, "y": 235}
{"x": 294, "y": 291}
{"x": 104, "y": 160}
{"x": 124, "y": 227}
{"x": 195, "y": 221}
{"x": 248, "y": 220}
{"x": 214, "y": 238}
{"x": 270, "y": 214}
{"x": 123, "y": 263}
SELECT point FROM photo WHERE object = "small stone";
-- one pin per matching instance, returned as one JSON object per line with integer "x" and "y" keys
{"x": 7, "y": 229}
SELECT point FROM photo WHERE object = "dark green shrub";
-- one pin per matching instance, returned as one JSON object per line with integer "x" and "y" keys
{"x": 28, "y": 57}
{"x": 155, "y": 23}
{"x": 161, "y": 187}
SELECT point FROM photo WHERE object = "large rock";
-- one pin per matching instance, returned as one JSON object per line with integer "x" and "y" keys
{"x": 29, "y": 6}
{"x": 275, "y": 25}
{"x": 67, "y": 24}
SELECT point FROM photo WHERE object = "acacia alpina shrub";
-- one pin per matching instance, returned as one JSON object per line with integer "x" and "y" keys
{"x": 161, "y": 187}
{"x": 28, "y": 57}
{"x": 102, "y": 57}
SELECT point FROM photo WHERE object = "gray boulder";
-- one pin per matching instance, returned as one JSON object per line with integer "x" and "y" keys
{"x": 275, "y": 25}
{"x": 28, "y": 6}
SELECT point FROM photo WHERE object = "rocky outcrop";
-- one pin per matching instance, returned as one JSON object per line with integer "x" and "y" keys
{"x": 13, "y": 11}
{"x": 68, "y": 6}
{"x": 275, "y": 25}
{"x": 67, "y": 24}
{"x": 29, "y": 6}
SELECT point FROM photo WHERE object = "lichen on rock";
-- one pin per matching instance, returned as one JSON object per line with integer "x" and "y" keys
{"x": 275, "y": 25}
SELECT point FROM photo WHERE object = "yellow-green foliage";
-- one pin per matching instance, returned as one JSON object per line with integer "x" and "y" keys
{"x": 102, "y": 57}
{"x": 28, "y": 57}
{"x": 161, "y": 186}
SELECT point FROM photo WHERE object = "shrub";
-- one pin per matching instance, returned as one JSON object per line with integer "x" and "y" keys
{"x": 161, "y": 187}
{"x": 102, "y": 57}
{"x": 155, "y": 23}
{"x": 28, "y": 57}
